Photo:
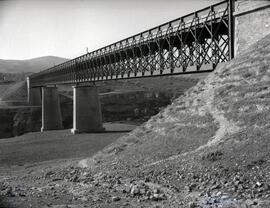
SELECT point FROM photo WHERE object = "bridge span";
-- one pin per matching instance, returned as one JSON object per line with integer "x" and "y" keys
{"x": 194, "y": 43}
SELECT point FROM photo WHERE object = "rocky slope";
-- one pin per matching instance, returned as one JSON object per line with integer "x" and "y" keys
{"x": 209, "y": 148}
{"x": 214, "y": 140}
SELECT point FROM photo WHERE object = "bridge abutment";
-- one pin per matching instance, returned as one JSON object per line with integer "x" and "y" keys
{"x": 87, "y": 115}
{"x": 51, "y": 112}
{"x": 252, "y": 22}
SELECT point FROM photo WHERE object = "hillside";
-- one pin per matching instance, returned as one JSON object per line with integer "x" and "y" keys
{"x": 30, "y": 65}
{"x": 13, "y": 91}
{"x": 209, "y": 148}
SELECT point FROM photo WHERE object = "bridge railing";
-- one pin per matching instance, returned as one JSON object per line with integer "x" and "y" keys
{"x": 193, "y": 43}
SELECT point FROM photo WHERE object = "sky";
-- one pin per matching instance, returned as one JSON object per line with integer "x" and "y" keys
{"x": 65, "y": 28}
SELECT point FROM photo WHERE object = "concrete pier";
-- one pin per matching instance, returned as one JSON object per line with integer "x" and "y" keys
{"x": 51, "y": 112}
{"x": 34, "y": 96}
{"x": 87, "y": 115}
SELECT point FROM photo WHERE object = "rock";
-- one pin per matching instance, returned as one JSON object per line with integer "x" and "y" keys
{"x": 147, "y": 179}
{"x": 74, "y": 178}
{"x": 259, "y": 184}
{"x": 96, "y": 199}
{"x": 142, "y": 191}
{"x": 73, "y": 206}
{"x": 217, "y": 186}
{"x": 22, "y": 194}
{"x": 156, "y": 191}
{"x": 7, "y": 192}
{"x": 218, "y": 193}
{"x": 191, "y": 187}
{"x": 224, "y": 197}
{"x": 135, "y": 190}
{"x": 148, "y": 193}
{"x": 118, "y": 181}
{"x": 84, "y": 198}
{"x": 56, "y": 179}
{"x": 249, "y": 202}
{"x": 48, "y": 174}
{"x": 266, "y": 187}
{"x": 115, "y": 198}
{"x": 192, "y": 205}
{"x": 157, "y": 197}
{"x": 59, "y": 206}
{"x": 126, "y": 189}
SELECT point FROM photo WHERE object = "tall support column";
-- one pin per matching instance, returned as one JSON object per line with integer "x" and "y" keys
{"x": 231, "y": 28}
{"x": 51, "y": 112}
{"x": 86, "y": 110}
{"x": 34, "y": 94}
{"x": 28, "y": 89}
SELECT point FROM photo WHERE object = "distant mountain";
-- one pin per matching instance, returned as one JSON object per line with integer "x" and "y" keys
{"x": 29, "y": 65}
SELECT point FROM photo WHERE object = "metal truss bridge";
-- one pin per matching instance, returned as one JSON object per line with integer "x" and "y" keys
{"x": 193, "y": 43}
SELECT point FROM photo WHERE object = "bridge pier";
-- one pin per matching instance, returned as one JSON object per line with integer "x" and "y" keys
{"x": 86, "y": 110}
{"x": 51, "y": 112}
{"x": 34, "y": 94}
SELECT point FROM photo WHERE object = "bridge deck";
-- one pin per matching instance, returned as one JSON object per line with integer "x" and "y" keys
{"x": 193, "y": 43}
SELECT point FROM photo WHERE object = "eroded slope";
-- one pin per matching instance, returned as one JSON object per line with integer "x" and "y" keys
{"x": 214, "y": 138}
{"x": 231, "y": 102}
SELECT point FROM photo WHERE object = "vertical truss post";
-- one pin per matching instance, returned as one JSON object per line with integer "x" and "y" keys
{"x": 161, "y": 59}
{"x": 231, "y": 28}
{"x": 196, "y": 53}
{"x": 75, "y": 72}
{"x": 212, "y": 59}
